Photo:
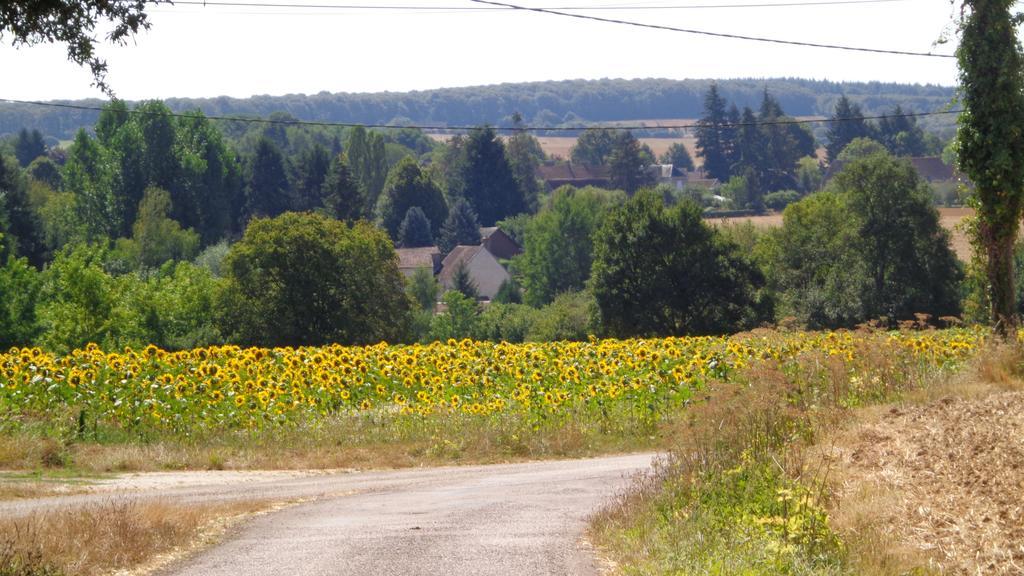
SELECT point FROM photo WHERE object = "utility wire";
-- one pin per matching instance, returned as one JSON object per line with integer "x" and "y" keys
{"x": 505, "y": 8}
{"x": 442, "y": 128}
{"x": 706, "y": 33}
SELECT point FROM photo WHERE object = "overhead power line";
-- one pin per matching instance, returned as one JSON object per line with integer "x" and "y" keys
{"x": 444, "y": 128}
{"x": 707, "y": 33}
{"x": 414, "y": 8}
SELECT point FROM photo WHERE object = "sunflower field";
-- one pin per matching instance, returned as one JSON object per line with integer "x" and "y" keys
{"x": 231, "y": 388}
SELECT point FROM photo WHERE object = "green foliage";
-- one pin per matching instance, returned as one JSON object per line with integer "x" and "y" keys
{"x": 267, "y": 183}
{"x": 77, "y": 301}
{"x": 559, "y": 244}
{"x": 304, "y": 279}
{"x": 627, "y": 165}
{"x": 848, "y": 124}
{"x": 408, "y": 186}
{"x": 461, "y": 228}
{"x": 593, "y": 147}
{"x": 423, "y": 288}
{"x": 812, "y": 263}
{"x": 737, "y": 190}
{"x": 990, "y": 149}
{"x": 489, "y": 183}
{"x": 551, "y": 103}
{"x": 341, "y": 194}
{"x": 505, "y": 322}
{"x": 23, "y": 227}
{"x": 89, "y": 176}
{"x": 715, "y": 140}
{"x": 809, "y": 175}
{"x": 781, "y": 199}
{"x": 29, "y": 146}
{"x": 860, "y": 148}
{"x": 414, "y": 231}
{"x": 46, "y": 171}
{"x": 524, "y": 157}
{"x": 212, "y": 258}
{"x": 459, "y": 319}
{"x": 871, "y": 248}
{"x": 157, "y": 238}
{"x": 311, "y": 169}
{"x": 19, "y": 288}
{"x": 678, "y": 156}
{"x": 509, "y": 293}
{"x": 462, "y": 282}
{"x": 663, "y": 271}
{"x": 368, "y": 162}
{"x": 571, "y": 316}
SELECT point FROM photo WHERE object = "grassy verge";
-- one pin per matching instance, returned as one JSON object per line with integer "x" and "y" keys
{"x": 740, "y": 493}
{"x": 117, "y": 535}
{"x": 363, "y": 441}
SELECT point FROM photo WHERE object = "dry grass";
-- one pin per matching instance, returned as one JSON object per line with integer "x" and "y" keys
{"x": 356, "y": 443}
{"x": 119, "y": 535}
{"x": 20, "y": 489}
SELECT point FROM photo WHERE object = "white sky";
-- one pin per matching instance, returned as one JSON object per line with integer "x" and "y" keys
{"x": 198, "y": 52}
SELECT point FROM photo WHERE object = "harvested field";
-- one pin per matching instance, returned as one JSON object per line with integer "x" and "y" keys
{"x": 948, "y": 218}
{"x": 943, "y": 481}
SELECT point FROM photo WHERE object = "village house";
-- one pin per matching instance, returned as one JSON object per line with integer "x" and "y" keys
{"x": 484, "y": 270}
{"x": 498, "y": 243}
{"x": 412, "y": 259}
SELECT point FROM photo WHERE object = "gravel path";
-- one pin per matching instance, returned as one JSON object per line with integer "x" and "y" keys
{"x": 501, "y": 519}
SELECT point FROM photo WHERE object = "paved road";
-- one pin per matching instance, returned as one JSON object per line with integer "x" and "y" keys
{"x": 453, "y": 521}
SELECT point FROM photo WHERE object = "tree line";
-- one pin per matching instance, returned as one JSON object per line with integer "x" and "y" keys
{"x": 552, "y": 103}
{"x": 162, "y": 229}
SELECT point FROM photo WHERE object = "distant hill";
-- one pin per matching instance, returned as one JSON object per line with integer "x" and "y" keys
{"x": 552, "y": 103}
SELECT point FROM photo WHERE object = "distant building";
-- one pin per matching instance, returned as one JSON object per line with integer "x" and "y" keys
{"x": 929, "y": 168}
{"x": 578, "y": 175}
{"x": 411, "y": 259}
{"x": 499, "y": 243}
{"x": 678, "y": 178}
{"x": 484, "y": 269}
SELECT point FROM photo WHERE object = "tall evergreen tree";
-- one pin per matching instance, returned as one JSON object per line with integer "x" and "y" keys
{"x": 678, "y": 156}
{"x": 267, "y": 186}
{"x": 525, "y": 156}
{"x": 310, "y": 174}
{"x": 408, "y": 186}
{"x": 461, "y": 228}
{"x": 848, "y": 124}
{"x": 29, "y": 146}
{"x": 900, "y": 134}
{"x": 368, "y": 161}
{"x": 414, "y": 232}
{"x": 712, "y": 143}
{"x": 340, "y": 192}
{"x": 626, "y": 164}
{"x": 491, "y": 187}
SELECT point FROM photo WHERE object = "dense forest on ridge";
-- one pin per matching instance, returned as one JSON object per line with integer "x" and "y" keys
{"x": 552, "y": 103}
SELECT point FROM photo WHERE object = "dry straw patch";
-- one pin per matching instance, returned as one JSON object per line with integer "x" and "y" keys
{"x": 115, "y": 536}
{"x": 939, "y": 483}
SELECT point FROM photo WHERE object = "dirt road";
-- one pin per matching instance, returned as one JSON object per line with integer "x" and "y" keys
{"x": 503, "y": 519}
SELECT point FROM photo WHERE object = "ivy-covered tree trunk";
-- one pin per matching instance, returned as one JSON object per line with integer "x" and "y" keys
{"x": 991, "y": 139}
{"x": 1002, "y": 292}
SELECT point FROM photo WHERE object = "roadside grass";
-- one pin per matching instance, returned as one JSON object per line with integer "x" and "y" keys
{"x": 116, "y": 535}
{"x": 379, "y": 440}
{"x": 740, "y": 491}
